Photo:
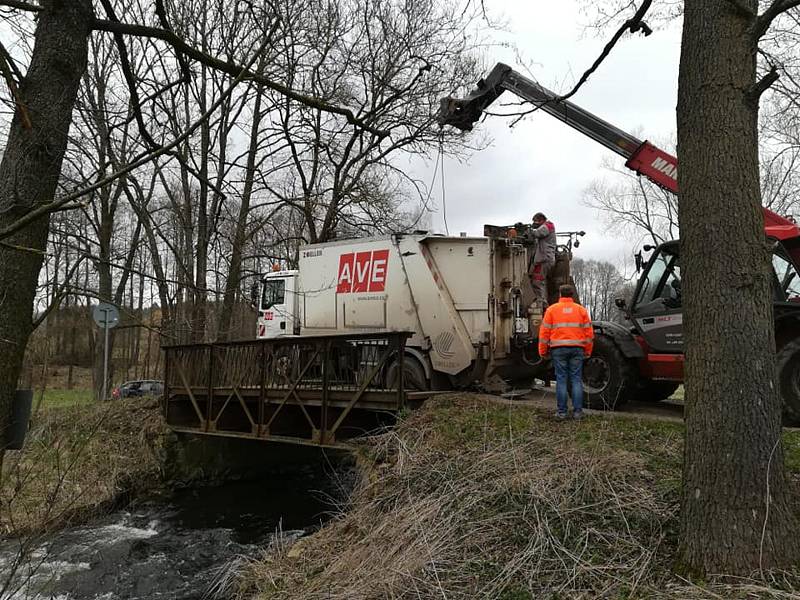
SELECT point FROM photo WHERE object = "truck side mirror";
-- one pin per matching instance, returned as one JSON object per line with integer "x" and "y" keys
{"x": 254, "y": 289}
{"x": 620, "y": 303}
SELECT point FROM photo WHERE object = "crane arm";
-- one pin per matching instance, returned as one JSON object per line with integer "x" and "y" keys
{"x": 641, "y": 156}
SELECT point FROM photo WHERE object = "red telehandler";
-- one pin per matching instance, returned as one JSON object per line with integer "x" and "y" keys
{"x": 645, "y": 360}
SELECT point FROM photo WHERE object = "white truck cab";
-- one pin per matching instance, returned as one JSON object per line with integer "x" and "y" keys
{"x": 278, "y": 305}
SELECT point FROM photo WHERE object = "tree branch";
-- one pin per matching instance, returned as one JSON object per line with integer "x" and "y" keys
{"x": 21, "y": 5}
{"x": 13, "y": 65}
{"x": 136, "y": 104}
{"x": 6, "y": 69}
{"x": 130, "y": 80}
{"x": 764, "y": 20}
{"x": 634, "y": 24}
{"x": 186, "y": 74}
{"x": 762, "y": 85}
{"x": 49, "y": 207}
{"x": 59, "y": 293}
{"x": 235, "y": 70}
{"x": 742, "y": 9}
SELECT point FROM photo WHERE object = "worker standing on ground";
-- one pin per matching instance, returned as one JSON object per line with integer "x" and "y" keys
{"x": 543, "y": 235}
{"x": 567, "y": 336}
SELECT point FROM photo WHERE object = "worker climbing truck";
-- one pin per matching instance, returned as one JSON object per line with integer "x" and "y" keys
{"x": 466, "y": 300}
{"x": 645, "y": 359}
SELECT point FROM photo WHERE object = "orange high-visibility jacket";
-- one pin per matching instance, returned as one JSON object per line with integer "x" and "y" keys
{"x": 566, "y": 323}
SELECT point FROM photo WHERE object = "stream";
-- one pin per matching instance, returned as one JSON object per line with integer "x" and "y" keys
{"x": 180, "y": 548}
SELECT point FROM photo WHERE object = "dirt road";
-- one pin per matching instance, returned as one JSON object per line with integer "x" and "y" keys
{"x": 669, "y": 410}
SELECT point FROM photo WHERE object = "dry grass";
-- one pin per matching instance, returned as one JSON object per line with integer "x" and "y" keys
{"x": 77, "y": 460}
{"x": 468, "y": 499}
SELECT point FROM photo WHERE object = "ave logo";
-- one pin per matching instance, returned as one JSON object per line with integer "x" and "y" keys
{"x": 362, "y": 272}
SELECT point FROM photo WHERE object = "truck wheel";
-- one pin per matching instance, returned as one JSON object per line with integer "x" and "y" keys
{"x": 414, "y": 375}
{"x": 283, "y": 364}
{"x": 655, "y": 391}
{"x": 788, "y": 362}
{"x": 609, "y": 379}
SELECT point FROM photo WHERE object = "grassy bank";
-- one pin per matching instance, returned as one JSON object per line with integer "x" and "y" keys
{"x": 473, "y": 499}
{"x": 78, "y": 458}
{"x": 62, "y": 398}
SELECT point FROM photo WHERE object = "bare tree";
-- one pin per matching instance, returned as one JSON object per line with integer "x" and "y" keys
{"x": 394, "y": 62}
{"x": 633, "y": 205}
{"x": 779, "y": 154}
{"x": 736, "y": 515}
{"x": 103, "y": 139}
{"x": 736, "y": 512}
{"x": 45, "y": 93}
{"x": 240, "y": 237}
{"x": 30, "y": 169}
{"x": 598, "y": 283}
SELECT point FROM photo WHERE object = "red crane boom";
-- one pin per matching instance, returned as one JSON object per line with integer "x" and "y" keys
{"x": 641, "y": 156}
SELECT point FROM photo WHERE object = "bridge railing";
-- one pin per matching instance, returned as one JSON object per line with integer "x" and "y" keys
{"x": 311, "y": 389}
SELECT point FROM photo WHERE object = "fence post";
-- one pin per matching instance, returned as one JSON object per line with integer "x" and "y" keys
{"x": 262, "y": 376}
{"x": 210, "y": 397}
{"x": 165, "y": 398}
{"x": 325, "y": 384}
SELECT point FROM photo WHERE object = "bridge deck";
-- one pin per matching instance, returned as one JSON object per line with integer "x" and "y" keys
{"x": 313, "y": 390}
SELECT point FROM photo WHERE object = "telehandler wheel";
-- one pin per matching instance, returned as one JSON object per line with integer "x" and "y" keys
{"x": 788, "y": 363}
{"x": 414, "y": 375}
{"x": 656, "y": 391}
{"x": 609, "y": 379}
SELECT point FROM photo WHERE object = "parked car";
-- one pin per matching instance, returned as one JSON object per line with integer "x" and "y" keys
{"x": 139, "y": 388}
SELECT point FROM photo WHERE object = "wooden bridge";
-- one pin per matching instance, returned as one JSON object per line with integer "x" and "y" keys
{"x": 311, "y": 390}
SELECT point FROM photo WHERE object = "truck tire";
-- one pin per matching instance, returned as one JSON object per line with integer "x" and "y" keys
{"x": 788, "y": 366}
{"x": 609, "y": 379}
{"x": 655, "y": 391}
{"x": 414, "y": 375}
{"x": 283, "y": 364}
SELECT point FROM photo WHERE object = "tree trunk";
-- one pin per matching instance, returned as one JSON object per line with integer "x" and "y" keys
{"x": 240, "y": 234}
{"x": 143, "y": 215}
{"x": 147, "y": 355}
{"x": 137, "y": 341}
{"x": 200, "y": 297}
{"x": 105, "y": 230}
{"x": 30, "y": 169}
{"x": 735, "y": 516}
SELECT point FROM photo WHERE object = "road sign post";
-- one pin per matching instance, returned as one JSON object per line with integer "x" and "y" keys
{"x": 105, "y": 315}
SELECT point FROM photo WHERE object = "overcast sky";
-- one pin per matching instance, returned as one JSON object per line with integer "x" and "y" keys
{"x": 542, "y": 164}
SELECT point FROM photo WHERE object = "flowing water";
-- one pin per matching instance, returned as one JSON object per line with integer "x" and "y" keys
{"x": 180, "y": 548}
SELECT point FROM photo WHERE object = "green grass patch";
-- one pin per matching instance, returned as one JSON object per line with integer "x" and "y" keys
{"x": 60, "y": 398}
{"x": 791, "y": 449}
{"x": 79, "y": 456}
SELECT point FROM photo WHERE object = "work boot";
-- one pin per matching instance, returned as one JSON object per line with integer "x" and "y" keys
{"x": 561, "y": 416}
{"x": 577, "y": 415}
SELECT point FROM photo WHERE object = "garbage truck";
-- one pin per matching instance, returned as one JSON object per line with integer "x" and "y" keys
{"x": 467, "y": 301}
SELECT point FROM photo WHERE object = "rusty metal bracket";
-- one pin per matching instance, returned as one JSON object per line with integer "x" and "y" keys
{"x": 375, "y": 370}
